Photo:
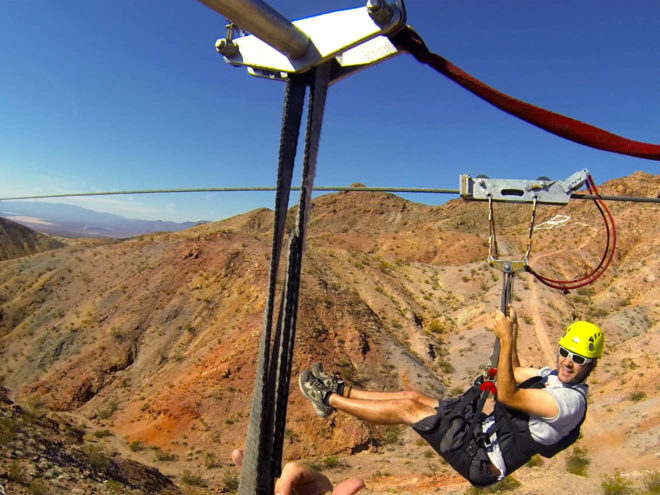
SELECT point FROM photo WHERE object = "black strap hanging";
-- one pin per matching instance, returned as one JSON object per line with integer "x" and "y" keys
{"x": 263, "y": 454}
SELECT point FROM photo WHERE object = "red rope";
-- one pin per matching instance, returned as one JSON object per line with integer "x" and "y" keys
{"x": 607, "y": 255}
{"x": 408, "y": 40}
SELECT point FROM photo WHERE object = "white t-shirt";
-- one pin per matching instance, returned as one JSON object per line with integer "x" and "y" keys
{"x": 572, "y": 404}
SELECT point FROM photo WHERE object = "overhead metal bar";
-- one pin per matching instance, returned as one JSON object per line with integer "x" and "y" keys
{"x": 541, "y": 191}
{"x": 265, "y": 23}
{"x": 275, "y": 47}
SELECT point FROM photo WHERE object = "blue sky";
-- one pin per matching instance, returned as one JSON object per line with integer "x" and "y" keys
{"x": 99, "y": 96}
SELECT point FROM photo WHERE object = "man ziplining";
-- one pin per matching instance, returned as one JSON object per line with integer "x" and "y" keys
{"x": 537, "y": 411}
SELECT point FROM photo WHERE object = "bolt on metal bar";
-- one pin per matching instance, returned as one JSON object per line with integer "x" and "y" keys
{"x": 267, "y": 24}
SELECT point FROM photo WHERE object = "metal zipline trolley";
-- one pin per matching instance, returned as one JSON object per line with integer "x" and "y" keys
{"x": 319, "y": 51}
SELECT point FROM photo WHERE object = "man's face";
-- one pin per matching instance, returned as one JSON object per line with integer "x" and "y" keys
{"x": 570, "y": 372}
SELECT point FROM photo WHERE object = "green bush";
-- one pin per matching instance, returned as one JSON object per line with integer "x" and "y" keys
{"x": 95, "y": 457}
{"x": 16, "y": 473}
{"x": 617, "y": 485}
{"x": 8, "y": 428}
{"x": 192, "y": 479}
{"x": 38, "y": 487}
{"x": 136, "y": 446}
{"x": 535, "y": 461}
{"x": 578, "y": 462}
{"x": 653, "y": 483}
{"x": 392, "y": 435}
{"x": 102, "y": 433}
{"x": 508, "y": 483}
{"x": 637, "y": 395}
{"x": 163, "y": 455}
{"x": 230, "y": 481}
{"x": 210, "y": 461}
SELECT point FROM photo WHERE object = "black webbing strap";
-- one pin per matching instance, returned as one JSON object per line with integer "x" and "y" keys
{"x": 285, "y": 339}
{"x": 487, "y": 385}
{"x": 263, "y": 453}
{"x": 507, "y": 291}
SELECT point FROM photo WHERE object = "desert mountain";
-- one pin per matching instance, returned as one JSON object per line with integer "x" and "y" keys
{"x": 74, "y": 221}
{"x": 17, "y": 241}
{"x": 155, "y": 338}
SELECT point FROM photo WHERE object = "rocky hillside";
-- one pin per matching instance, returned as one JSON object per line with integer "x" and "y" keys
{"x": 50, "y": 455}
{"x": 17, "y": 241}
{"x": 154, "y": 339}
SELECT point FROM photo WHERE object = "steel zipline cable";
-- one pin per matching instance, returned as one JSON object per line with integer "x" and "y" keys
{"x": 414, "y": 190}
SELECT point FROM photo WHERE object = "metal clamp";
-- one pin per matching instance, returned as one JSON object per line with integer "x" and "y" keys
{"x": 277, "y": 47}
{"x": 544, "y": 191}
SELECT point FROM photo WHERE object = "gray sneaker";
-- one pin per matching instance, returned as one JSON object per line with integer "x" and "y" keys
{"x": 315, "y": 391}
{"x": 332, "y": 382}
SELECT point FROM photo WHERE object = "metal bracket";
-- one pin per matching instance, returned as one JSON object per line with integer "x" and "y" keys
{"x": 556, "y": 192}
{"x": 355, "y": 38}
{"x": 509, "y": 266}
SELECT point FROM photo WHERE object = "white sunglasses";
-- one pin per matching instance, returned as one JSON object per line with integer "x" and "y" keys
{"x": 576, "y": 358}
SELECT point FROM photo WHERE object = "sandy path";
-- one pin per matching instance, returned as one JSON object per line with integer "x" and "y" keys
{"x": 540, "y": 329}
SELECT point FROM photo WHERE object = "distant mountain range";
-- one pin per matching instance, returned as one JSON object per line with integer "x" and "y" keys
{"x": 74, "y": 221}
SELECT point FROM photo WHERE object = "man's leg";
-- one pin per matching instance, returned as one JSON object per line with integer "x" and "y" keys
{"x": 356, "y": 393}
{"x": 384, "y": 411}
{"x": 328, "y": 392}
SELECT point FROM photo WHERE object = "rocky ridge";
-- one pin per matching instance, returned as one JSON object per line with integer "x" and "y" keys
{"x": 154, "y": 338}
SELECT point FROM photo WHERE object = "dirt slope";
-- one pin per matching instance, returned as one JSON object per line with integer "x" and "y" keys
{"x": 17, "y": 241}
{"x": 155, "y": 338}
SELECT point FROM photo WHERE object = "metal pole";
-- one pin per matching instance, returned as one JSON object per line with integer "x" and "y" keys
{"x": 261, "y": 20}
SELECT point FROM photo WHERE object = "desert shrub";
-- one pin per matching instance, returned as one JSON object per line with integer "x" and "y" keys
{"x": 114, "y": 487}
{"x": 507, "y": 484}
{"x": 16, "y": 473}
{"x": 535, "y": 461}
{"x": 8, "y": 428}
{"x": 136, "y": 446}
{"x": 436, "y": 327}
{"x": 578, "y": 462}
{"x": 392, "y": 435}
{"x": 637, "y": 395}
{"x": 163, "y": 455}
{"x": 332, "y": 462}
{"x": 210, "y": 461}
{"x": 192, "y": 479}
{"x": 230, "y": 481}
{"x": 95, "y": 457}
{"x": 653, "y": 483}
{"x": 38, "y": 487}
{"x": 102, "y": 433}
{"x": 616, "y": 485}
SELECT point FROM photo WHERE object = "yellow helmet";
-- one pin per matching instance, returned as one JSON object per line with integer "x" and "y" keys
{"x": 584, "y": 338}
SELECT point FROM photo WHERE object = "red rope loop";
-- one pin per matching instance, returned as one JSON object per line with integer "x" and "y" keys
{"x": 606, "y": 259}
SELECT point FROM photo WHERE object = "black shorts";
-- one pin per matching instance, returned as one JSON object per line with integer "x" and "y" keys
{"x": 447, "y": 432}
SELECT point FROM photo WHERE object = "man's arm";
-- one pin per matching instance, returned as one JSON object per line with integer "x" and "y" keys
{"x": 521, "y": 374}
{"x": 530, "y": 401}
